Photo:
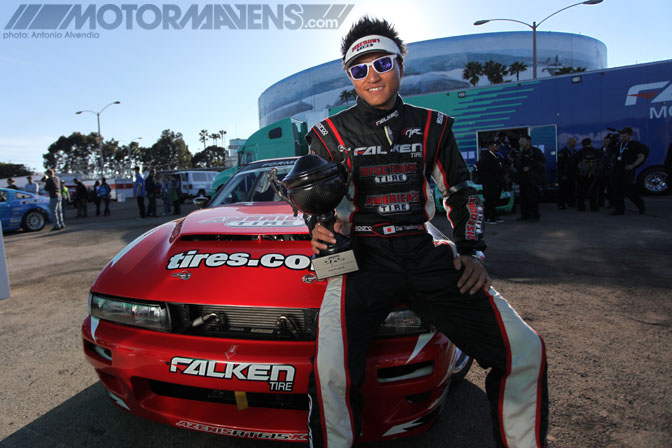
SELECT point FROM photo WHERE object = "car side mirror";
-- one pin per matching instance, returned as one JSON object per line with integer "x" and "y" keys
{"x": 201, "y": 201}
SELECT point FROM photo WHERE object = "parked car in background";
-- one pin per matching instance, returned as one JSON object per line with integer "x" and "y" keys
{"x": 209, "y": 323}
{"x": 20, "y": 209}
{"x": 195, "y": 183}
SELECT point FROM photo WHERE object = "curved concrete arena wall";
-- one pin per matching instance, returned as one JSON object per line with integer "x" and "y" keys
{"x": 431, "y": 66}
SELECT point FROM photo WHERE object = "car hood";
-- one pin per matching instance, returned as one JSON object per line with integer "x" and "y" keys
{"x": 272, "y": 218}
{"x": 243, "y": 255}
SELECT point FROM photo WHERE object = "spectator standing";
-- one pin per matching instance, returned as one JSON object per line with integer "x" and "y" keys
{"x": 173, "y": 194}
{"x": 603, "y": 184}
{"x": 587, "y": 163}
{"x": 139, "y": 191}
{"x": 11, "y": 184}
{"x": 492, "y": 176}
{"x": 30, "y": 186}
{"x": 65, "y": 195}
{"x": 165, "y": 184}
{"x": 150, "y": 189}
{"x": 104, "y": 195}
{"x": 632, "y": 155}
{"x": 567, "y": 174}
{"x": 81, "y": 199}
{"x": 53, "y": 187}
{"x": 531, "y": 167}
{"x": 96, "y": 197}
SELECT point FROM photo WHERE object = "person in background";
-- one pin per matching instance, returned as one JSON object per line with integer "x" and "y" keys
{"x": 567, "y": 175}
{"x": 165, "y": 184}
{"x": 81, "y": 199}
{"x": 11, "y": 184}
{"x": 104, "y": 195}
{"x": 139, "y": 191}
{"x": 150, "y": 190}
{"x": 492, "y": 177}
{"x": 53, "y": 187}
{"x": 96, "y": 197}
{"x": 30, "y": 186}
{"x": 632, "y": 155}
{"x": 587, "y": 163}
{"x": 65, "y": 195}
{"x": 604, "y": 190}
{"x": 174, "y": 195}
{"x": 531, "y": 167}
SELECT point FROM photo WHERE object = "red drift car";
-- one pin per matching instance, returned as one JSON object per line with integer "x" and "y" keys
{"x": 209, "y": 322}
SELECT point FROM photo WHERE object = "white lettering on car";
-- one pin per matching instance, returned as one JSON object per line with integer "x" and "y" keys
{"x": 193, "y": 259}
{"x": 278, "y": 376}
{"x": 222, "y": 430}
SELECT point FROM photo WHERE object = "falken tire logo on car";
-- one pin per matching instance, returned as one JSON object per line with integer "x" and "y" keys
{"x": 280, "y": 377}
{"x": 194, "y": 259}
{"x": 221, "y": 430}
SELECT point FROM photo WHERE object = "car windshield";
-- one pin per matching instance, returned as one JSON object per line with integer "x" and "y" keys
{"x": 250, "y": 185}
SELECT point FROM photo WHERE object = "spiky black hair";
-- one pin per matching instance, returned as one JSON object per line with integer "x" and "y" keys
{"x": 367, "y": 26}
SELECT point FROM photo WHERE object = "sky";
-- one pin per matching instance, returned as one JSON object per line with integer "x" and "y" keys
{"x": 186, "y": 80}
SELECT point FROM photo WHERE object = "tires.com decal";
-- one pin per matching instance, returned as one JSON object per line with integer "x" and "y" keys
{"x": 221, "y": 430}
{"x": 258, "y": 221}
{"x": 280, "y": 377}
{"x": 194, "y": 259}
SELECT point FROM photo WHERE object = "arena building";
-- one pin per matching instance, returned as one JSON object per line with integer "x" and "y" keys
{"x": 431, "y": 66}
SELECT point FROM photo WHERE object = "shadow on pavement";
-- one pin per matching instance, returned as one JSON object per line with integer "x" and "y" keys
{"x": 90, "y": 419}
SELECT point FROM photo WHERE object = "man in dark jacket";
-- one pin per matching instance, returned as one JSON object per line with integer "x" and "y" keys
{"x": 81, "y": 199}
{"x": 150, "y": 190}
{"x": 11, "y": 184}
{"x": 393, "y": 149}
{"x": 632, "y": 155}
{"x": 531, "y": 167}
{"x": 587, "y": 163}
{"x": 567, "y": 174}
{"x": 492, "y": 176}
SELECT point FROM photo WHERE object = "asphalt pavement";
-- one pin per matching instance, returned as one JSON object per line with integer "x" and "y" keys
{"x": 595, "y": 286}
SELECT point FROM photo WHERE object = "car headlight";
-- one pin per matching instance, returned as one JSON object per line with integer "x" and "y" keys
{"x": 150, "y": 315}
{"x": 402, "y": 323}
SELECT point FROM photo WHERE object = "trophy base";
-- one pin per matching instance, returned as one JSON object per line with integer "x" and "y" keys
{"x": 335, "y": 264}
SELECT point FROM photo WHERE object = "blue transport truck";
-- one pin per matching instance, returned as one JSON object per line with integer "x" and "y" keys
{"x": 579, "y": 105}
{"x": 550, "y": 110}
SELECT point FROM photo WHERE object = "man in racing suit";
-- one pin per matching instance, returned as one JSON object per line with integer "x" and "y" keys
{"x": 394, "y": 149}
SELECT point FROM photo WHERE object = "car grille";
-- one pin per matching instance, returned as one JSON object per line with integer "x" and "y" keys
{"x": 242, "y": 322}
{"x": 261, "y": 400}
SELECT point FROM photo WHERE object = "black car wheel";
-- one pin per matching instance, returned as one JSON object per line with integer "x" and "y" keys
{"x": 655, "y": 180}
{"x": 33, "y": 221}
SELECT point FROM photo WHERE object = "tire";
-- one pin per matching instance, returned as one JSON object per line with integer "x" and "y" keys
{"x": 655, "y": 181}
{"x": 462, "y": 367}
{"x": 33, "y": 221}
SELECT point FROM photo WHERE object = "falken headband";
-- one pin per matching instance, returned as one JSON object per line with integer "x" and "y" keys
{"x": 368, "y": 44}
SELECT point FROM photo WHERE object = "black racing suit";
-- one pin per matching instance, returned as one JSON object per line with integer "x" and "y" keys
{"x": 393, "y": 155}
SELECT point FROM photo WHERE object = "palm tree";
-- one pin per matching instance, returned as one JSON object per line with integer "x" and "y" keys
{"x": 516, "y": 68}
{"x": 203, "y": 136}
{"x": 345, "y": 96}
{"x": 222, "y": 132}
{"x": 214, "y": 136}
{"x": 472, "y": 71}
{"x": 494, "y": 71}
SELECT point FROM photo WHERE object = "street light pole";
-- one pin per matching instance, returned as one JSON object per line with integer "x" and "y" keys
{"x": 534, "y": 27}
{"x": 99, "y": 137}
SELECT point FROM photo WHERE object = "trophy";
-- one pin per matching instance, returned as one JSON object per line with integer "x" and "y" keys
{"x": 315, "y": 187}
